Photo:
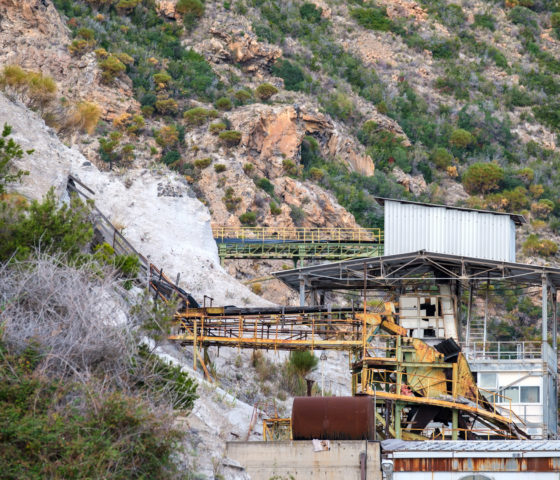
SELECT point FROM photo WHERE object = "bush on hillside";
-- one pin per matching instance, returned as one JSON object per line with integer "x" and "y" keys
{"x": 230, "y": 137}
{"x": 373, "y": 18}
{"x": 482, "y": 177}
{"x": 191, "y": 10}
{"x": 291, "y": 73}
{"x": 265, "y": 91}
{"x": 249, "y": 219}
{"x": 534, "y": 245}
{"x": 199, "y": 116}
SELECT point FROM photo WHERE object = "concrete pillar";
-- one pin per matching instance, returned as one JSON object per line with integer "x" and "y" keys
{"x": 544, "y": 307}
{"x": 301, "y": 292}
{"x": 469, "y": 314}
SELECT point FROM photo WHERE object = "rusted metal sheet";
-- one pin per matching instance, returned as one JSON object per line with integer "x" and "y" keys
{"x": 333, "y": 418}
{"x": 470, "y": 464}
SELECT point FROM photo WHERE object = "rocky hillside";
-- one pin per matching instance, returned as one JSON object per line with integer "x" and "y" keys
{"x": 298, "y": 114}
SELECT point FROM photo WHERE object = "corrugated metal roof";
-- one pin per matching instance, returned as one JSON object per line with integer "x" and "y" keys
{"x": 394, "y": 445}
{"x": 518, "y": 219}
{"x": 349, "y": 274}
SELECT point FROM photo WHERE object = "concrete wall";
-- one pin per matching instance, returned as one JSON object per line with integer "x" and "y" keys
{"x": 296, "y": 460}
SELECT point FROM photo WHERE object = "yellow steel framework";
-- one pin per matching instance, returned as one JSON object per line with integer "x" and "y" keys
{"x": 402, "y": 373}
{"x": 306, "y": 235}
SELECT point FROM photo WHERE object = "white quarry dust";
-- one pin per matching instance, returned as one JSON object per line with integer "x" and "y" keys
{"x": 160, "y": 216}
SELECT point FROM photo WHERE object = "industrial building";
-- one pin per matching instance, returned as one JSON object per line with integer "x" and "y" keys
{"x": 433, "y": 394}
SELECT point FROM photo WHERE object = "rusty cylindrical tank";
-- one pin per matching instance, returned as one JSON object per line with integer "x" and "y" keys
{"x": 333, "y": 418}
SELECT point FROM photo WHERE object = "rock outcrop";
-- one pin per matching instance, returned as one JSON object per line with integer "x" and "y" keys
{"x": 241, "y": 47}
{"x": 33, "y": 35}
{"x": 277, "y": 131}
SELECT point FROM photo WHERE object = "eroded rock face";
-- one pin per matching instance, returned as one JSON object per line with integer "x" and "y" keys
{"x": 34, "y": 36}
{"x": 241, "y": 47}
{"x": 412, "y": 183}
{"x": 277, "y": 132}
{"x": 166, "y": 8}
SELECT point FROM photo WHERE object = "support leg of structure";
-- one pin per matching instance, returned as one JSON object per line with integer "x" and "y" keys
{"x": 398, "y": 410}
{"x": 302, "y": 292}
{"x": 469, "y": 314}
{"x": 554, "y": 320}
{"x": 455, "y": 424}
{"x": 544, "y": 307}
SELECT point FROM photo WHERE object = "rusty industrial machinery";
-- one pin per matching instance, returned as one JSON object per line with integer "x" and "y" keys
{"x": 401, "y": 384}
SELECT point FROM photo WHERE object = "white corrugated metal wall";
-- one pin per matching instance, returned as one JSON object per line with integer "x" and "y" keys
{"x": 410, "y": 227}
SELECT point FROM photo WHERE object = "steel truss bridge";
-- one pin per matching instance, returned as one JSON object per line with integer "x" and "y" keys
{"x": 297, "y": 244}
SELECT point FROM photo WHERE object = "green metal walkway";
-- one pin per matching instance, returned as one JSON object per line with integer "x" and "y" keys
{"x": 297, "y": 244}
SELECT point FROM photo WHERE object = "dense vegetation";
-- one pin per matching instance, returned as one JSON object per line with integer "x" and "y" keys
{"x": 80, "y": 396}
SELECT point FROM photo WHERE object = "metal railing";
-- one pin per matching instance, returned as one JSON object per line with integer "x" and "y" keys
{"x": 277, "y": 429}
{"x": 306, "y": 235}
{"x": 523, "y": 350}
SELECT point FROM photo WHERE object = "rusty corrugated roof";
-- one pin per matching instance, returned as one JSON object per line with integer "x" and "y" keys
{"x": 394, "y": 445}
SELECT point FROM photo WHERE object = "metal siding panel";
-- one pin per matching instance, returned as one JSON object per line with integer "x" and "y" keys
{"x": 410, "y": 227}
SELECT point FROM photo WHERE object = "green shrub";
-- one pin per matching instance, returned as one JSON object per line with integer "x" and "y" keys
{"x": 248, "y": 219}
{"x": 230, "y": 137}
{"x": 242, "y": 96}
{"x": 166, "y": 106}
{"x": 230, "y": 201}
{"x": 199, "y": 116}
{"x": 217, "y": 127}
{"x": 548, "y": 113}
{"x": 555, "y": 20}
{"x": 170, "y": 157}
{"x": 534, "y": 245}
{"x": 441, "y": 158}
{"x": 10, "y": 151}
{"x": 248, "y": 168}
{"x": 290, "y": 167}
{"x": 523, "y": 16}
{"x": 461, "y": 138}
{"x": 310, "y": 12}
{"x": 373, "y": 18}
{"x": 266, "y": 185}
{"x": 484, "y": 20}
{"x": 339, "y": 105}
{"x": 191, "y": 10}
{"x": 543, "y": 208}
{"x": 224, "y": 103}
{"x": 452, "y": 15}
{"x": 202, "y": 163}
{"x": 275, "y": 209}
{"x": 303, "y": 362}
{"x": 265, "y": 91}
{"x": 482, "y": 177}
{"x": 111, "y": 68}
{"x": 291, "y": 73}
{"x": 219, "y": 167}
{"x": 316, "y": 174}
{"x": 163, "y": 78}
{"x": 44, "y": 224}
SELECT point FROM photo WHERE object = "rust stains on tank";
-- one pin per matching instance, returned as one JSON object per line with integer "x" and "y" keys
{"x": 333, "y": 418}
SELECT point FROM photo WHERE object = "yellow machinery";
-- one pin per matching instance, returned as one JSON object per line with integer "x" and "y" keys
{"x": 415, "y": 385}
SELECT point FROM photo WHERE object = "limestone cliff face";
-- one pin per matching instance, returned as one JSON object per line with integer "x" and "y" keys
{"x": 34, "y": 36}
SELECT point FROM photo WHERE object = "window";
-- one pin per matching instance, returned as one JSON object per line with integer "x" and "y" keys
{"x": 530, "y": 395}
{"x": 512, "y": 393}
{"x": 521, "y": 395}
{"x": 487, "y": 380}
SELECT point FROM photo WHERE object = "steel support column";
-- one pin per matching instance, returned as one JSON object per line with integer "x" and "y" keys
{"x": 544, "y": 307}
